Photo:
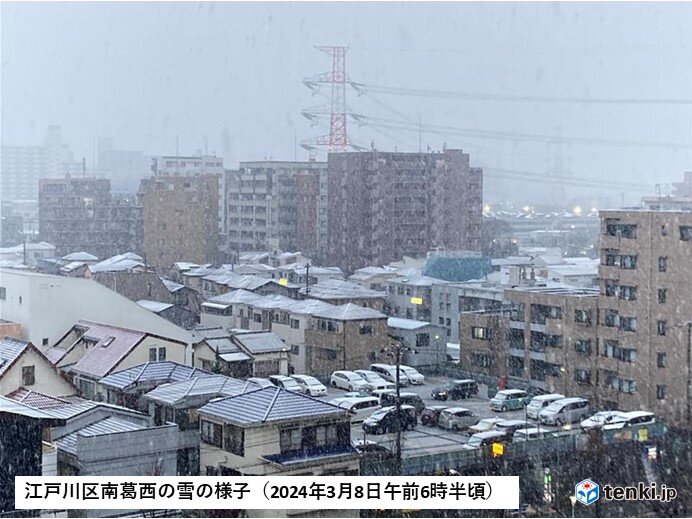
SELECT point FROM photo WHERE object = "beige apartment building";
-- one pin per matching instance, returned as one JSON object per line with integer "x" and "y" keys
{"x": 645, "y": 325}
{"x": 626, "y": 346}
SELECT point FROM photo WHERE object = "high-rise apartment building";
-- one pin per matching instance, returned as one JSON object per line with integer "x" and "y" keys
{"x": 180, "y": 219}
{"x": 384, "y": 205}
{"x": 81, "y": 214}
{"x": 645, "y": 306}
{"x": 276, "y": 205}
{"x": 124, "y": 168}
{"x": 21, "y": 167}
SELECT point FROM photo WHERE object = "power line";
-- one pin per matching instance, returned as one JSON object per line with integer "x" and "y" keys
{"x": 520, "y": 136}
{"x": 442, "y": 94}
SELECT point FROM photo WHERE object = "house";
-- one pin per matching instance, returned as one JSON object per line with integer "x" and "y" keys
{"x": 339, "y": 292}
{"x": 268, "y": 352}
{"x": 47, "y": 305}
{"x": 22, "y": 365}
{"x": 374, "y": 278}
{"x": 215, "y": 351}
{"x": 229, "y": 310}
{"x": 90, "y": 351}
{"x": 344, "y": 337}
{"x": 290, "y": 324}
{"x": 126, "y": 387}
{"x": 424, "y": 343}
{"x": 175, "y": 314}
{"x": 21, "y": 433}
{"x": 411, "y": 297}
{"x": 275, "y": 431}
{"x": 10, "y": 329}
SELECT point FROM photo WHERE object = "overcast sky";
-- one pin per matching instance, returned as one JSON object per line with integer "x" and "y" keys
{"x": 231, "y": 73}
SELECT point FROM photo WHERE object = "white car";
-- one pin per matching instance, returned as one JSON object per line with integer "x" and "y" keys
{"x": 310, "y": 385}
{"x": 347, "y": 380}
{"x": 631, "y": 419}
{"x": 414, "y": 377}
{"x": 261, "y": 382}
{"x": 486, "y": 424}
{"x": 359, "y": 408}
{"x": 374, "y": 381}
{"x": 602, "y": 418}
{"x": 286, "y": 383}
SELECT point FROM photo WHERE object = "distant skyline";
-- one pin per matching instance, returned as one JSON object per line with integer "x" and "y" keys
{"x": 230, "y": 75}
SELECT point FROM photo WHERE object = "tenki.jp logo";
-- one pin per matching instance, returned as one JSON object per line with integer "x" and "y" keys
{"x": 587, "y": 492}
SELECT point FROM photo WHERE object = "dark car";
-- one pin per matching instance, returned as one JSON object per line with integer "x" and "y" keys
{"x": 385, "y": 420}
{"x": 455, "y": 390}
{"x": 431, "y": 415}
{"x": 412, "y": 399}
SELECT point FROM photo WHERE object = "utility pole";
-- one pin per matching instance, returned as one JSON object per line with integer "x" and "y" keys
{"x": 307, "y": 280}
{"x": 395, "y": 348}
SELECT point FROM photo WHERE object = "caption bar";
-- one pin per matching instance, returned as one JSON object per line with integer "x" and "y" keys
{"x": 265, "y": 492}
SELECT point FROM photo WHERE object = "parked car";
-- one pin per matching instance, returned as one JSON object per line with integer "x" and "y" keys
{"x": 509, "y": 399}
{"x": 455, "y": 390}
{"x": 632, "y": 418}
{"x": 359, "y": 408}
{"x": 540, "y": 402}
{"x": 509, "y": 426}
{"x": 411, "y": 399}
{"x": 386, "y": 421}
{"x": 370, "y": 446}
{"x": 457, "y": 418}
{"x": 374, "y": 381}
{"x": 310, "y": 385}
{"x": 430, "y": 415}
{"x": 261, "y": 382}
{"x": 530, "y": 433}
{"x": 356, "y": 394}
{"x": 286, "y": 383}
{"x": 380, "y": 392}
{"x": 564, "y": 411}
{"x": 413, "y": 376}
{"x": 602, "y": 418}
{"x": 483, "y": 439}
{"x": 484, "y": 425}
{"x": 388, "y": 372}
{"x": 347, "y": 380}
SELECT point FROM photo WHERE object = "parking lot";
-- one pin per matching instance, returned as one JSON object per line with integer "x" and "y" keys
{"x": 425, "y": 439}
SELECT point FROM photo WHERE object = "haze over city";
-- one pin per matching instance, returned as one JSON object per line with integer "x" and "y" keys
{"x": 229, "y": 78}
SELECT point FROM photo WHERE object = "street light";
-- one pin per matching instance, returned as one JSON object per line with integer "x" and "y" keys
{"x": 573, "y": 500}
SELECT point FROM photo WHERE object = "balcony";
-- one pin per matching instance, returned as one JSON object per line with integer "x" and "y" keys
{"x": 309, "y": 456}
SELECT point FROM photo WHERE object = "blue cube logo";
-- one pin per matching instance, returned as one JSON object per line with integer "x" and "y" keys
{"x": 587, "y": 492}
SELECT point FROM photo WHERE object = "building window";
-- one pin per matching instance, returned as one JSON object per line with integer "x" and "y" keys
{"x": 611, "y": 318}
{"x": 582, "y": 316}
{"x": 162, "y": 353}
{"x": 257, "y": 318}
{"x": 366, "y": 330}
{"x": 152, "y": 354}
{"x": 664, "y": 230}
{"x": 582, "y": 377}
{"x": 623, "y": 385}
{"x": 44, "y": 341}
{"x": 628, "y": 324}
{"x": 662, "y": 295}
{"x": 482, "y": 360}
{"x": 628, "y": 293}
{"x": 234, "y": 440}
{"x": 28, "y": 376}
{"x": 211, "y": 433}
{"x": 295, "y": 324}
{"x": 295, "y": 349}
{"x": 661, "y": 360}
{"x": 290, "y": 440}
{"x": 662, "y": 263}
{"x": 622, "y": 229}
{"x": 422, "y": 340}
{"x": 3, "y": 293}
{"x": 409, "y": 313}
{"x": 661, "y": 327}
{"x": 441, "y": 320}
{"x": 628, "y": 261}
{"x": 479, "y": 332}
{"x": 686, "y": 233}
{"x": 661, "y": 391}
{"x": 583, "y": 347}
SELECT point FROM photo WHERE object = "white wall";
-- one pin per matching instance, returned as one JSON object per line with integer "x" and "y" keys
{"x": 47, "y": 380}
{"x": 51, "y": 305}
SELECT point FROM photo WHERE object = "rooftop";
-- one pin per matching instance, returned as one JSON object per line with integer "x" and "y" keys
{"x": 270, "y": 404}
{"x": 152, "y": 373}
{"x": 10, "y": 350}
{"x": 36, "y": 399}
{"x": 80, "y": 256}
{"x": 406, "y": 324}
{"x": 350, "y": 312}
{"x": 125, "y": 261}
{"x": 154, "y": 306}
{"x": 259, "y": 342}
{"x": 341, "y": 289}
{"x": 213, "y": 386}
{"x": 106, "y": 426}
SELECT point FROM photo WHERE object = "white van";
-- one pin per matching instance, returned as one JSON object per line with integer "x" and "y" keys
{"x": 540, "y": 402}
{"x": 564, "y": 411}
{"x": 359, "y": 408}
{"x": 529, "y": 433}
{"x": 388, "y": 372}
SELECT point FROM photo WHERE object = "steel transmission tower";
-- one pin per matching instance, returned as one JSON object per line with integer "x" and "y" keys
{"x": 337, "y": 139}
